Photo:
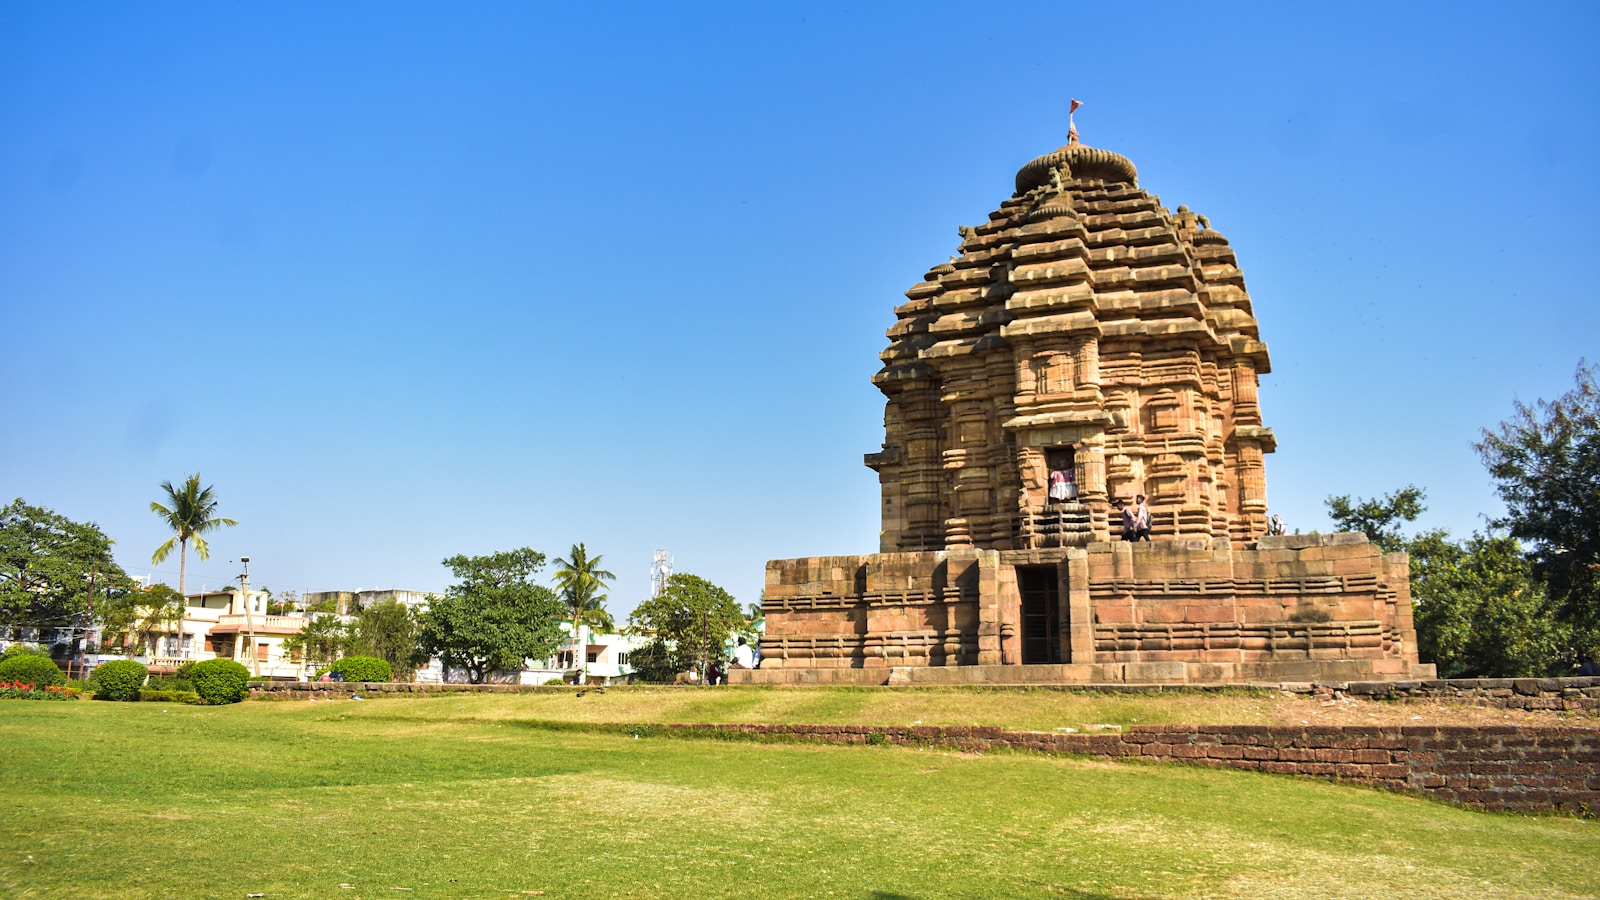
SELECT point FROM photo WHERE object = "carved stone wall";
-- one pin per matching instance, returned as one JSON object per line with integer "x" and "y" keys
{"x": 1082, "y": 317}
{"x": 1298, "y": 608}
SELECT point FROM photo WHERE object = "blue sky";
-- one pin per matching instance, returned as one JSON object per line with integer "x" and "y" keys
{"x": 404, "y": 281}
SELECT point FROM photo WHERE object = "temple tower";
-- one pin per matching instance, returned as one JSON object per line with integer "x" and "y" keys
{"x": 1086, "y": 345}
{"x": 1088, "y": 335}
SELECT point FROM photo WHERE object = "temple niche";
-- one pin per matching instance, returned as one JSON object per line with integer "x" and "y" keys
{"x": 1086, "y": 345}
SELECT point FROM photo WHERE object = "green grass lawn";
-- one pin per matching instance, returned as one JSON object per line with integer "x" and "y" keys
{"x": 1018, "y": 709}
{"x": 470, "y": 797}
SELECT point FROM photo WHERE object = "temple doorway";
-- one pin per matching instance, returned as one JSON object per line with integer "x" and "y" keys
{"x": 1041, "y": 615}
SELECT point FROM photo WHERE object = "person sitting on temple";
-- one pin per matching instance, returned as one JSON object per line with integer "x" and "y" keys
{"x": 743, "y": 657}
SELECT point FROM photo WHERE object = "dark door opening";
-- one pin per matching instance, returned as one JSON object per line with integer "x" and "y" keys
{"x": 1041, "y": 615}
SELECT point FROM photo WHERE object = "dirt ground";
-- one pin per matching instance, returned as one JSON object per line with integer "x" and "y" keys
{"x": 1300, "y": 709}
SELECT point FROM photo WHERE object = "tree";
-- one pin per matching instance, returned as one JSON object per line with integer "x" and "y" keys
{"x": 191, "y": 513}
{"x": 281, "y": 605}
{"x": 53, "y": 570}
{"x": 387, "y": 631}
{"x": 1480, "y": 613}
{"x": 156, "y": 610}
{"x": 495, "y": 617}
{"x": 692, "y": 619}
{"x": 321, "y": 641}
{"x": 1478, "y": 610}
{"x": 580, "y": 582}
{"x": 1546, "y": 462}
{"x": 1378, "y": 519}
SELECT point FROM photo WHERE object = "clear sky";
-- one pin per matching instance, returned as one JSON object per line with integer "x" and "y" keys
{"x": 408, "y": 280}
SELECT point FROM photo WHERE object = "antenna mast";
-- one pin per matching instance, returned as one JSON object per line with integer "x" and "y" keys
{"x": 660, "y": 570}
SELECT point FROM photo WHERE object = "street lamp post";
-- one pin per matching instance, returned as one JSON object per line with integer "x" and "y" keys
{"x": 249, "y": 618}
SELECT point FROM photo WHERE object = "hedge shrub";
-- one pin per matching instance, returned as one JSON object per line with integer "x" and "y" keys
{"x": 169, "y": 696}
{"x": 363, "y": 668}
{"x": 119, "y": 680}
{"x": 219, "y": 680}
{"x": 29, "y": 668}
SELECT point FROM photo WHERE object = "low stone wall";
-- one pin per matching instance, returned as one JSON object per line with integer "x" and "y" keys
{"x": 1577, "y": 695}
{"x": 1580, "y": 694}
{"x": 1495, "y": 767}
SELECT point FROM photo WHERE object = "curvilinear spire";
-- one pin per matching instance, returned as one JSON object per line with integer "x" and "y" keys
{"x": 1084, "y": 330}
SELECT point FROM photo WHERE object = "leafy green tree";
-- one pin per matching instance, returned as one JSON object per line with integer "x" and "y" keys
{"x": 388, "y": 631}
{"x": 158, "y": 610}
{"x": 320, "y": 641}
{"x": 1379, "y": 519}
{"x": 581, "y": 582}
{"x": 53, "y": 571}
{"x": 283, "y": 604}
{"x": 191, "y": 513}
{"x": 692, "y": 617}
{"x": 1480, "y": 613}
{"x": 657, "y": 662}
{"x": 495, "y": 617}
{"x": 1546, "y": 462}
{"x": 23, "y": 650}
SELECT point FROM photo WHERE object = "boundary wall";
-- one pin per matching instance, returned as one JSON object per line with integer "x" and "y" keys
{"x": 1503, "y": 767}
{"x": 1577, "y": 694}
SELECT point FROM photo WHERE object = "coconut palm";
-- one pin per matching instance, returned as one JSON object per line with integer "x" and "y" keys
{"x": 191, "y": 513}
{"x": 580, "y": 582}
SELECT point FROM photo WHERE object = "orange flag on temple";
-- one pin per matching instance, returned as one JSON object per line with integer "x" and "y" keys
{"x": 1075, "y": 105}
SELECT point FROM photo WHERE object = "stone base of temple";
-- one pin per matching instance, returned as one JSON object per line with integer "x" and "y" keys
{"x": 1171, "y": 673}
{"x": 1194, "y": 611}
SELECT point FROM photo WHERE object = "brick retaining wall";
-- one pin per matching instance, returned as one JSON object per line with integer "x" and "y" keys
{"x": 1490, "y": 767}
{"x": 1578, "y": 694}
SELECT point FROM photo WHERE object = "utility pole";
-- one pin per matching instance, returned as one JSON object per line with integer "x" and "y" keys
{"x": 249, "y": 618}
{"x": 88, "y": 613}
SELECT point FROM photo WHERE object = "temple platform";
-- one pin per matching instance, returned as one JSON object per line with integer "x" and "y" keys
{"x": 1286, "y": 609}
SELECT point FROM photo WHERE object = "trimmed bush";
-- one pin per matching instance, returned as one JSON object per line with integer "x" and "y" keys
{"x": 184, "y": 671}
{"x": 169, "y": 697}
{"x": 219, "y": 680}
{"x": 119, "y": 680}
{"x": 363, "y": 668}
{"x": 30, "y": 668}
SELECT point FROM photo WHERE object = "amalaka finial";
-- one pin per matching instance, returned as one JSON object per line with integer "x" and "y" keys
{"x": 1072, "y": 128}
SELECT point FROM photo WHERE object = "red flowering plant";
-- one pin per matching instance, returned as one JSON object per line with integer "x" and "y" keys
{"x": 22, "y": 690}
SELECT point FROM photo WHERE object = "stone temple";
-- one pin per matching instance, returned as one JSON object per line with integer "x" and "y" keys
{"x": 1087, "y": 345}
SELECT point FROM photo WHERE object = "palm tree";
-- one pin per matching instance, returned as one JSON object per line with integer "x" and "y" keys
{"x": 580, "y": 581}
{"x": 191, "y": 513}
